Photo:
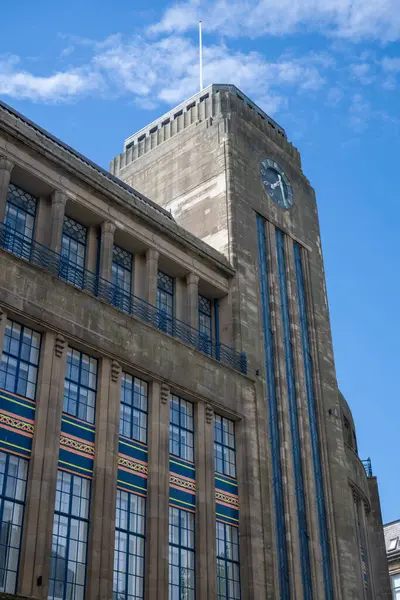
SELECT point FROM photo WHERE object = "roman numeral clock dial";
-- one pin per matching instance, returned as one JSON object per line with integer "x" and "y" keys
{"x": 276, "y": 184}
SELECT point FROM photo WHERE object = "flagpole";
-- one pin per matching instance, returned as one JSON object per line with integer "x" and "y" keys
{"x": 201, "y": 55}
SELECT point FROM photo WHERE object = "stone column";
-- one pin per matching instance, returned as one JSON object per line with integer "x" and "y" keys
{"x": 156, "y": 571}
{"x": 151, "y": 275}
{"x": 206, "y": 560}
{"x": 41, "y": 492}
{"x": 192, "y": 282}
{"x": 104, "y": 491}
{"x": 58, "y": 202}
{"x": 6, "y": 167}
{"x": 106, "y": 250}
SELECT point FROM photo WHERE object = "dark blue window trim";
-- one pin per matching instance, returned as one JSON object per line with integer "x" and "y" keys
{"x": 71, "y": 508}
{"x": 80, "y": 386}
{"x": 182, "y": 544}
{"x": 205, "y": 324}
{"x": 19, "y": 363}
{"x": 12, "y": 500}
{"x": 165, "y": 302}
{"x": 181, "y": 428}
{"x": 122, "y": 278}
{"x": 228, "y": 562}
{"x": 315, "y": 443}
{"x": 133, "y": 413}
{"x": 129, "y": 547}
{"x": 73, "y": 252}
{"x": 283, "y": 564}
{"x": 224, "y": 446}
{"x": 20, "y": 217}
{"x": 294, "y": 422}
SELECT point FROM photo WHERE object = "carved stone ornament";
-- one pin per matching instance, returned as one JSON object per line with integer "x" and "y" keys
{"x": 59, "y": 346}
{"x": 164, "y": 393}
{"x": 209, "y": 413}
{"x": 115, "y": 371}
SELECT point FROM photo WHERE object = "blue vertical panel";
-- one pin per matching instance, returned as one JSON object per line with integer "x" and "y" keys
{"x": 283, "y": 565}
{"x": 315, "y": 445}
{"x": 294, "y": 422}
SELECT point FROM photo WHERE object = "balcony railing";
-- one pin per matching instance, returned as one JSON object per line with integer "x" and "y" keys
{"x": 367, "y": 466}
{"x": 61, "y": 267}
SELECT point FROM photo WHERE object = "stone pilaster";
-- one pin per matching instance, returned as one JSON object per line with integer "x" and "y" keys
{"x": 151, "y": 275}
{"x": 103, "y": 499}
{"x": 38, "y": 524}
{"x": 156, "y": 583}
{"x": 58, "y": 202}
{"x": 192, "y": 283}
{"x": 106, "y": 250}
{"x": 6, "y": 167}
{"x": 206, "y": 572}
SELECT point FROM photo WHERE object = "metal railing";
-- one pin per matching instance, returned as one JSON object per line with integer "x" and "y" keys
{"x": 59, "y": 265}
{"x": 367, "y": 466}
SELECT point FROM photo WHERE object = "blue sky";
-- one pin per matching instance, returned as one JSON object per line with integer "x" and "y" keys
{"x": 328, "y": 71}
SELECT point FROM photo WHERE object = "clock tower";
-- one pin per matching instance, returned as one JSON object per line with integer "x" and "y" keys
{"x": 227, "y": 173}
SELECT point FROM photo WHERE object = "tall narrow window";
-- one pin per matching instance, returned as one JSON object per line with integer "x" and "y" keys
{"x": 133, "y": 415}
{"x": 165, "y": 302}
{"x": 122, "y": 278}
{"x": 181, "y": 428}
{"x": 205, "y": 324}
{"x": 129, "y": 547}
{"x": 228, "y": 577}
{"x": 395, "y": 581}
{"x": 70, "y": 535}
{"x": 80, "y": 385}
{"x": 20, "y": 360}
{"x": 13, "y": 476}
{"x": 224, "y": 446}
{"x": 20, "y": 218}
{"x": 73, "y": 252}
{"x": 181, "y": 555}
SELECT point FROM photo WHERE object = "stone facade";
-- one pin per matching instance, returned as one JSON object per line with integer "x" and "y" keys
{"x": 188, "y": 326}
{"x": 201, "y": 162}
{"x": 392, "y": 545}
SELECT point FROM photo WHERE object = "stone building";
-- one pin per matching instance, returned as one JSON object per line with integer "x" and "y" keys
{"x": 392, "y": 543}
{"x": 170, "y": 421}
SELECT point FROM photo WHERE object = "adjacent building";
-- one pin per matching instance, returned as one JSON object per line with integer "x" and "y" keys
{"x": 170, "y": 421}
{"x": 392, "y": 543}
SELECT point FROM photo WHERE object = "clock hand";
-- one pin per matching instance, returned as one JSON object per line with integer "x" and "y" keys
{"x": 281, "y": 186}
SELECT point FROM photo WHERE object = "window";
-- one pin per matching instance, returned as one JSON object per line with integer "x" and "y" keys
{"x": 129, "y": 547}
{"x": 133, "y": 416}
{"x": 393, "y": 544}
{"x": 20, "y": 360}
{"x": 165, "y": 302}
{"x": 395, "y": 580}
{"x": 73, "y": 252}
{"x": 224, "y": 446}
{"x": 122, "y": 278}
{"x": 80, "y": 385}
{"x": 70, "y": 536}
{"x": 228, "y": 580}
{"x": 205, "y": 324}
{"x": 20, "y": 217}
{"x": 181, "y": 428}
{"x": 13, "y": 476}
{"x": 181, "y": 555}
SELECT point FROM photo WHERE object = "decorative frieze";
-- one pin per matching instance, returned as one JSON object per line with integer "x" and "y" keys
{"x": 164, "y": 393}
{"x": 209, "y": 413}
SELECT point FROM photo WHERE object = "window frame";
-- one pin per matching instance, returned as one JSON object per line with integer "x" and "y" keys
{"x": 226, "y": 561}
{"x": 71, "y": 270}
{"x": 19, "y": 360}
{"x": 183, "y": 550}
{"x": 224, "y": 446}
{"x": 205, "y": 324}
{"x": 13, "y": 500}
{"x": 178, "y": 427}
{"x": 165, "y": 289}
{"x": 16, "y": 242}
{"x": 70, "y": 516}
{"x": 129, "y": 533}
{"x": 121, "y": 297}
{"x": 80, "y": 385}
{"x": 133, "y": 407}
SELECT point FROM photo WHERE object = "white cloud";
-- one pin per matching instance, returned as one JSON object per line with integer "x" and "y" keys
{"x": 363, "y": 73}
{"x": 61, "y": 86}
{"x": 166, "y": 71}
{"x": 391, "y": 65}
{"x": 350, "y": 19}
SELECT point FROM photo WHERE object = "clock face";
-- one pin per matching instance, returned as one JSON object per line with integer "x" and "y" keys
{"x": 276, "y": 183}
